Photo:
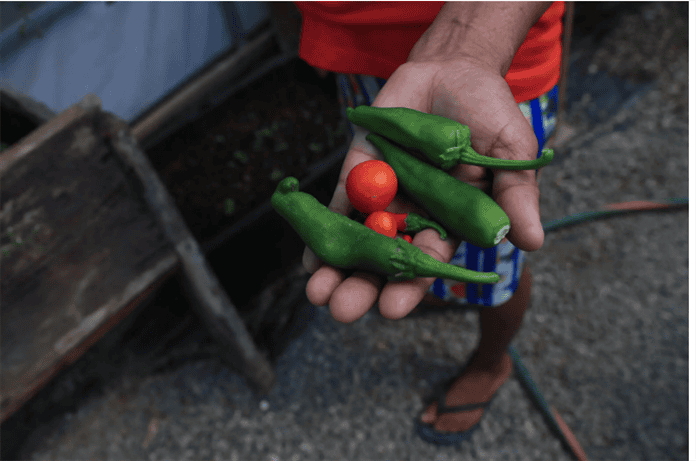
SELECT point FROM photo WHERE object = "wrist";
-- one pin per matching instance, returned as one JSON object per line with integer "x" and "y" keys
{"x": 489, "y": 32}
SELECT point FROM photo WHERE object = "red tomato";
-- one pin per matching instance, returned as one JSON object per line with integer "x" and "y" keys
{"x": 382, "y": 222}
{"x": 371, "y": 186}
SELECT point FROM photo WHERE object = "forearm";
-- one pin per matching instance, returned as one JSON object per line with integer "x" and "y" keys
{"x": 488, "y": 31}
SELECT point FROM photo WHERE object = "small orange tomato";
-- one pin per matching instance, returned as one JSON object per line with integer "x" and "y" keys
{"x": 382, "y": 222}
{"x": 371, "y": 186}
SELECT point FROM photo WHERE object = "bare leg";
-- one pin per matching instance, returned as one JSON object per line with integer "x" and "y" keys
{"x": 491, "y": 365}
{"x": 499, "y": 325}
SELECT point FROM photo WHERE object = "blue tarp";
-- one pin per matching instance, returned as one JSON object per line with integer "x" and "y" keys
{"x": 130, "y": 54}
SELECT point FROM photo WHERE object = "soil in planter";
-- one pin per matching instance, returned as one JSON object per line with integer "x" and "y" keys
{"x": 228, "y": 162}
{"x": 223, "y": 165}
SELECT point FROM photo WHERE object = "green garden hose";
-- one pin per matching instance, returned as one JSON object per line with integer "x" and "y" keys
{"x": 553, "y": 419}
{"x": 615, "y": 209}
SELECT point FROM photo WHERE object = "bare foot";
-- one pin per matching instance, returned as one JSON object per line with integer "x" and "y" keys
{"x": 477, "y": 384}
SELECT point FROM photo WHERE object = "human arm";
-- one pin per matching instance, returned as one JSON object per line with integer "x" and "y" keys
{"x": 490, "y": 31}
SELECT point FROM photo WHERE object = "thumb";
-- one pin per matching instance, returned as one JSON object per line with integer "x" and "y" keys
{"x": 517, "y": 193}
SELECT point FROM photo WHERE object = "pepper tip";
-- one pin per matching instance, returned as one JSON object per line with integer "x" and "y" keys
{"x": 289, "y": 184}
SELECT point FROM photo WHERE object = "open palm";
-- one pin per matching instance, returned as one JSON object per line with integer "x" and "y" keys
{"x": 468, "y": 91}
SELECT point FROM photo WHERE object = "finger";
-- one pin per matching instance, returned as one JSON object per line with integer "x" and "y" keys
{"x": 347, "y": 298}
{"x": 403, "y": 90}
{"x": 355, "y": 296}
{"x": 400, "y": 298}
{"x": 517, "y": 193}
{"x": 322, "y": 284}
{"x": 476, "y": 176}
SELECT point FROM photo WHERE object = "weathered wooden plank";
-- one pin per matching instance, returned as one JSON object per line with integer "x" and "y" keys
{"x": 43, "y": 133}
{"x": 209, "y": 299}
{"x": 79, "y": 248}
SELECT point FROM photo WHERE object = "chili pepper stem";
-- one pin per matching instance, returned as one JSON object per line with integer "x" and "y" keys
{"x": 416, "y": 223}
{"x": 427, "y": 266}
{"x": 469, "y": 156}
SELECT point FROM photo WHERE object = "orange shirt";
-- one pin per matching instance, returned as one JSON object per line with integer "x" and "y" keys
{"x": 374, "y": 38}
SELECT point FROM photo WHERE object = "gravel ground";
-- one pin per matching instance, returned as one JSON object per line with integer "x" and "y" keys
{"x": 605, "y": 338}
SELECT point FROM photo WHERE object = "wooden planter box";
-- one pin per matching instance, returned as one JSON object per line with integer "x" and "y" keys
{"x": 89, "y": 232}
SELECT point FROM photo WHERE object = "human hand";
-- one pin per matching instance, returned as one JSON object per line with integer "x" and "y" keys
{"x": 469, "y": 91}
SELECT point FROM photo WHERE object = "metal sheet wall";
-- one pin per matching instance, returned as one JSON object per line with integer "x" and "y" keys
{"x": 130, "y": 54}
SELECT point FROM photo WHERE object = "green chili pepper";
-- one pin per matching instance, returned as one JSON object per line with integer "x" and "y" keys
{"x": 467, "y": 212}
{"x": 444, "y": 142}
{"x": 412, "y": 222}
{"x": 341, "y": 242}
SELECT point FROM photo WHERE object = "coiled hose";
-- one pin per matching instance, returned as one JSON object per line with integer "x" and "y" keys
{"x": 553, "y": 419}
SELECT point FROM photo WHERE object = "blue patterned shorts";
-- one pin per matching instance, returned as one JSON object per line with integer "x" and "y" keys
{"x": 504, "y": 259}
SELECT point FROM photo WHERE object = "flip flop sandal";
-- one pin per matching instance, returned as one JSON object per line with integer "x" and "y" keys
{"x": 428, "y": 432}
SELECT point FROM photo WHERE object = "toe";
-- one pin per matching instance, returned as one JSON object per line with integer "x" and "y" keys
{"x": 458, "y": 422}
{"x": 430, "y": 415}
